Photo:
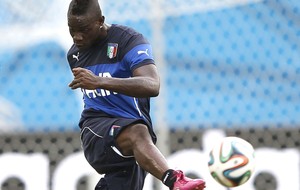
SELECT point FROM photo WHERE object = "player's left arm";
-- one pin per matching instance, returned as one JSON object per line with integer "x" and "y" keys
{"x": 144, "y": 82}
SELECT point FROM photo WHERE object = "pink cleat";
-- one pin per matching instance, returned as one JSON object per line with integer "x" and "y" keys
{"x": 185, "y": 183}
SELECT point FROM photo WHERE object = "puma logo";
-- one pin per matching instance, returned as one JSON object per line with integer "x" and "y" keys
{"x": 76, "y": 56}
{"x": 145, "y": 52}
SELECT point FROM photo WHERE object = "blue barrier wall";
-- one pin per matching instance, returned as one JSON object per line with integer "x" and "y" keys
{"x": 36, "y": 80}
{"x": 235, "y": 67}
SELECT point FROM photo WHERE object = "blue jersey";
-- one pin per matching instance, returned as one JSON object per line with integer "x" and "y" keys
{"x": 118, "y": 55}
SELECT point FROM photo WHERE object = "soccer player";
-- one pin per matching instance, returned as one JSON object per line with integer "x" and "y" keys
{"x": 114, "y": 67}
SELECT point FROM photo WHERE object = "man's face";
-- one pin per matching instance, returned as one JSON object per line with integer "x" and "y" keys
{"x": 84, "y": 30}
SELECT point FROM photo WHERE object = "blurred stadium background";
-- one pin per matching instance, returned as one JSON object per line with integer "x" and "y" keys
{"x": 228, "y": 67}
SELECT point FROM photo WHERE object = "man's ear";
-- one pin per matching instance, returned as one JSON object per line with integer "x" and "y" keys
{"x": 102, "y": 20}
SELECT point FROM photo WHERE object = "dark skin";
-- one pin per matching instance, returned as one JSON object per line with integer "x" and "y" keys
{"x": 145, "y": 82}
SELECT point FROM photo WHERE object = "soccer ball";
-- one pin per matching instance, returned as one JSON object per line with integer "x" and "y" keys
{"x": 231, "y": 161}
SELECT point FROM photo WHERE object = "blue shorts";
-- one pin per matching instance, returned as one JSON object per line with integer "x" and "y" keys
{"x": 98, "y": 142}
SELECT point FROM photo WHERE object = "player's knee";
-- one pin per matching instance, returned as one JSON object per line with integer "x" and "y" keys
{"x": 139, "y": 132}
{"x": 131, "y": 137}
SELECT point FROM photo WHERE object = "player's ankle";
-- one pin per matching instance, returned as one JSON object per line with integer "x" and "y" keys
{"x": 169, "y": 178}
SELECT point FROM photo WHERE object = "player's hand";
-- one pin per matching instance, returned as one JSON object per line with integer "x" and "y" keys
{"x": 84, "y": 78}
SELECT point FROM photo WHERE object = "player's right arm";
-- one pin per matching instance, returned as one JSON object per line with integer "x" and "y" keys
{"x": 144, "y": 83}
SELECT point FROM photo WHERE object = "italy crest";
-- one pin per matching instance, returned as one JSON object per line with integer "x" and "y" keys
{"x": 112, "y": 49}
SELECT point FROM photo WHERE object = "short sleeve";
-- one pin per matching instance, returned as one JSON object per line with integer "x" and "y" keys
{"x": 138, "y": 56}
